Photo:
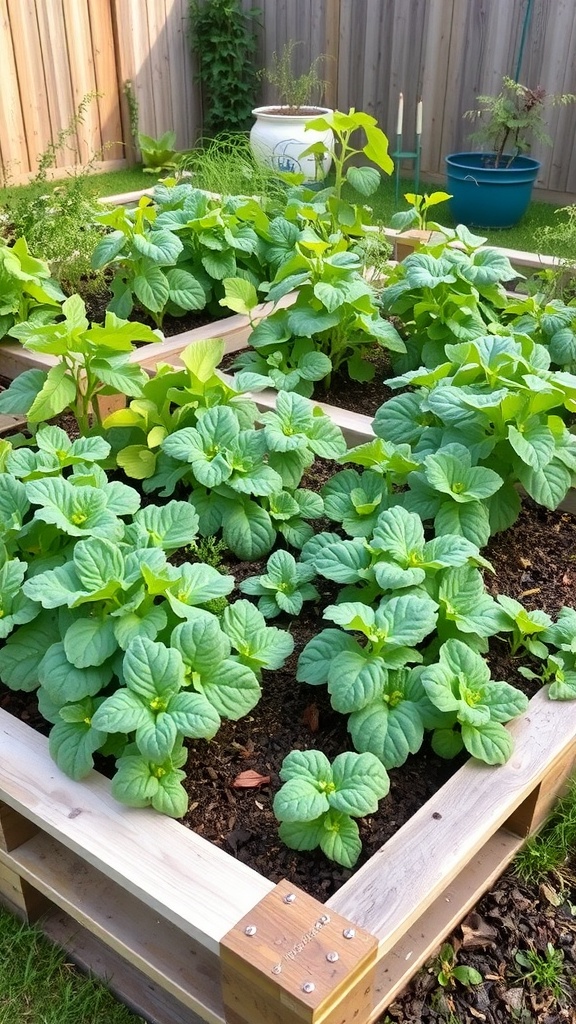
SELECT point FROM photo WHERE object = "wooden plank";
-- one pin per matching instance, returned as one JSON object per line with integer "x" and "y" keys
{"x": 107, "y": 84}
{"x": 52, "y": 31}
{"x": 83, "y": 77}
{"x": 14, "y": 157}
{"x": 158, "y": 61}
{"x": 399, "y": 965}
{"x": 186, "y": 114}
{"x": 193, "y": 884}
{"x": 28, "y": 902}
{"x": 30, "y": 71}
{"x": 8, "y": 424}
{"x": 430, "y": 850}
{"x": 289, "y": 962}
{"x": 125, "y": 982}
{"x": 332, "y": 50}
{"x": 171, "y": 960}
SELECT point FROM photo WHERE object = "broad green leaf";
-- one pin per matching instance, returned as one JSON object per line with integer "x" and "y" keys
{"x": 490, "y": 742}
{"x": 72, "y": 744}
{"x": 300, "y": 800}
{"x": 360, "y": 782}
{"x": 57, "y": 393}
{"x": 90, "y": 641}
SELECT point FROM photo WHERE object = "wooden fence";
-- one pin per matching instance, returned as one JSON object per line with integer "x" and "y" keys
{"x": 54, "y": 52}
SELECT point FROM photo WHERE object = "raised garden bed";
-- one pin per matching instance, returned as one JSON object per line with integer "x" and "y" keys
{"x": 184, "y": 932}
{"x": 176, "y": 908}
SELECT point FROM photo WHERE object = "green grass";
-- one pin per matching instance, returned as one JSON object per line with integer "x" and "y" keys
{"x": 525, "y": 236}
{"x": 553, "y": 845}
{"x": 39, "y": 986}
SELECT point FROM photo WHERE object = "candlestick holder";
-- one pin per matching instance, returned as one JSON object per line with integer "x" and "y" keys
{"x": 400, "y": 154}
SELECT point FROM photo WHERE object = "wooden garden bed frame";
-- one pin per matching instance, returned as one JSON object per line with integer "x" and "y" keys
{"x": 185, "y": 933}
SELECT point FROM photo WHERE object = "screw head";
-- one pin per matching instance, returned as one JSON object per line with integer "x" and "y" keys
{"x": 349, "y": 933}
{"x": 308, "y": 986}
{"x": 250, "y": 929}
{"x": 332, "y": 957}
{"x": 277, "y": 969}
{"x": 290, "y": 897}
{"x": 324, "y": 919}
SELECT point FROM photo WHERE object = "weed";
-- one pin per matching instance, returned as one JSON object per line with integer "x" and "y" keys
{"x": 449, "y": 973}
{"x": 208, "y": 550}
{"x": 543, "y": 970}
{"x": 551, "y": 847}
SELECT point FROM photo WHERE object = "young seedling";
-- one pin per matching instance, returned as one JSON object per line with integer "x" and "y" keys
{"x": 318, "y": 801}
{"x": 284, "y": 587}
{"x": 448, "y": 973}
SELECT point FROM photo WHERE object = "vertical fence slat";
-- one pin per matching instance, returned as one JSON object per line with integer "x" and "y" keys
{"x": 52, "y": 34}
{"x": 28, "y": 55}
{"x": 108, "y": 105}
{"x": 82, "y": 75}
{"x": 13, "y": 148}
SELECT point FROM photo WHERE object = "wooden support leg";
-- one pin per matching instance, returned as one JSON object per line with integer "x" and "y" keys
{"x": 291, "y": 961}
{"x": 534, "y": 810}
{"x": 16, "y": 893}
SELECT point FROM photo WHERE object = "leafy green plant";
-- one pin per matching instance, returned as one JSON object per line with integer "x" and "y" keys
{"x": 443, "y": 294}
{"x": 246, "y": 481}
{"x": 544, "y": 971}
{"x": 58, "y": 220}
{"x": 318, "y": 801}
{"x": 513, "y": 118}
{"x": 496, "y": 407}
{"x": 158, "y": 154}
{"x": 224, "y": 45}
{"x": 449, "y": 972}
{"x": 226, "y": 165}
{"x": 460, "y": 685}
{"x": 283, "y": 587}
{"x": 418, "y": 215}
{"x": 291, "y": 90}
{"x": 91, "y": 610}
{"x": 171, "y": 253}
{"x": 93, "y": 361}
{"x": 28, "y": 291}
{"x": 331, "y": 324}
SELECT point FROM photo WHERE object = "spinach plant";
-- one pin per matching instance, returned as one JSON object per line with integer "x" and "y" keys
{"x": 442, "y": 293}
{"x": 245, "y": 481}
{"x": 283, "y": 587}
{"x": 318, "y": 801}
{"x": 172, "y": 252}
{"x": 93, "y": 361}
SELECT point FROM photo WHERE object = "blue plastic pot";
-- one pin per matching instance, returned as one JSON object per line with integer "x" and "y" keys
{"x": 485, "y": 196}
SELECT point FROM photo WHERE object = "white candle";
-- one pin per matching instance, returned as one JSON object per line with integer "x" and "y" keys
{"x": 419, "y": 118}
{"x": 400, "y": 115}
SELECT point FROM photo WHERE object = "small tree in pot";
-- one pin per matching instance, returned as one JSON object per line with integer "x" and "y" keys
{"x": 493, "y": 189}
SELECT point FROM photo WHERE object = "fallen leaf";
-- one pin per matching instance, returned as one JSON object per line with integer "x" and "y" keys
{"x": 477, "y": 933}
{"x": 550, "y": 895}
{"x": 250, "y": 780}
{"x": 311, "y": 717}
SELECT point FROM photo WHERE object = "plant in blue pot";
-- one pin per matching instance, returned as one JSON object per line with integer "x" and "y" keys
{"x": 493, "y": 188}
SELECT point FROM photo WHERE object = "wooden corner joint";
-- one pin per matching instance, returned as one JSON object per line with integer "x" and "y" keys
{"x": 14, "y": 828}
{"x": 292, "y": 960}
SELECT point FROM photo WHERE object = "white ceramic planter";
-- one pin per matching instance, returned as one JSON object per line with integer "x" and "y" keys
{"x": 278, "y": 138}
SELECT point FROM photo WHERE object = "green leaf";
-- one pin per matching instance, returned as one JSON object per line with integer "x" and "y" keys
{"x": 72, "y": 744}
{"x": 355, "y": 679}
{"x": 490, "y": 742}
{"x": 151, "y": 669}
{"x": 161, "y": 246}
{"x": 360, "y": 781}
{"x": 151, "y": 289}
{"x": 314, "y": 661}
{"x": 240, "y": 295}
{"x": 64, "y": 682}
{"x": 90, "y": 641}
{"x": 340, "y": 839}
{"x": 300, "y": 800}
{"x": 185, "y": 290}
{"x": 57, "y": 393}
{"x": 248, "y": 530}
{"x": 301, "y": 835}
{"x": 107, "y": 249}
{"x": 19, "y": 397}
{"x": 365, "y": 180}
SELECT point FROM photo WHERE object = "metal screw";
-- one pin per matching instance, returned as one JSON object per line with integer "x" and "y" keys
{"x": 332, "y": 957}
{"x": 290, "y": 897}
{"x": 277, "y": 969}
{"x": 250, "y": 929}
{"x": 308, "y": 986}
{"x": 324, "y": 919}
{"x": 349, "y": 933}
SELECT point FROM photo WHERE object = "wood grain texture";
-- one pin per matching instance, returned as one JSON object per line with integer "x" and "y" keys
{"x": 394, "y": 970}
{"x": 289, "y": 961}
{"x": 171, "y": 960}
{"x": 125, "y": 981}
{"x": 428, "y": 852}
{"x": 14, "y": 829}
{"x": 187, "y": 880}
